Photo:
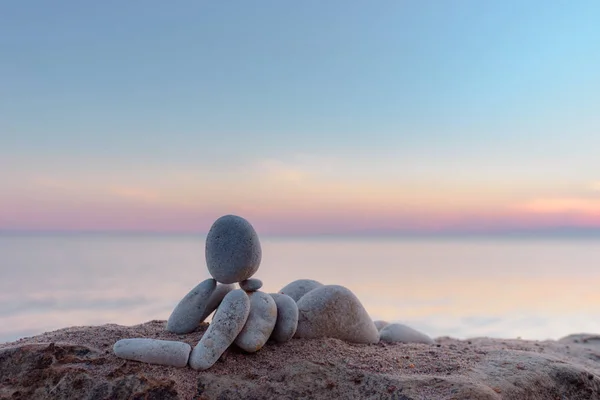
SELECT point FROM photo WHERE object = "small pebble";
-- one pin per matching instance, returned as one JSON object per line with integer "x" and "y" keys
{"x": 381, "y": 324}
{"x": 399, "y": 333}
{"x": 251, "y": 285}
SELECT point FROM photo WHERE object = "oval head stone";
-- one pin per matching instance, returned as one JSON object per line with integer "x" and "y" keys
{"x": 233, "y": 251}
{"x": 335, "y": 312}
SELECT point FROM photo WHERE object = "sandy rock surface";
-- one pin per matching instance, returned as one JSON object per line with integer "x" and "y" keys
{"x": 78, "y": 363}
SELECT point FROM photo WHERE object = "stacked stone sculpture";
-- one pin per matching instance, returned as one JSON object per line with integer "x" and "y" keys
{"x": 248, "y": 317}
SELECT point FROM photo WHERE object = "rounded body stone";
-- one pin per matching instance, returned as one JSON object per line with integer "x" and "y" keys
{"x": 260, "y": 323}
{"x": 233, "y": 251}
{"x": 228, "y": 321}
{"x": 299, "y": 288}
{"x": 287, "y": 318}
{"x": 153, "y": 351}
{"x": 251, "y": 285}
{"x": 196, "y": 306}
{"x": 399, "y": 333}
{"x": 334, "y": 311}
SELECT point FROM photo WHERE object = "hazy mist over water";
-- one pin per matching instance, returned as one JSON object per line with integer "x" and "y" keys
{"x": 461, "y": 287}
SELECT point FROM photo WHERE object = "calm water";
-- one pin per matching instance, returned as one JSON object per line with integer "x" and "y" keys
{"x": 535, "y": 289}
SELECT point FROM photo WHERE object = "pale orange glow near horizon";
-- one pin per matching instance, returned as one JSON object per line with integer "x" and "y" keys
{"x": 287, "y": 199}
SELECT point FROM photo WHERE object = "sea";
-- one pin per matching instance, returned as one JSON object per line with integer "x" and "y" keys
{"x": 529, "y": 288}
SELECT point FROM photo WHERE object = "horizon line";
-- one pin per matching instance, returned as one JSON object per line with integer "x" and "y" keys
{"x": 560, "y": 232}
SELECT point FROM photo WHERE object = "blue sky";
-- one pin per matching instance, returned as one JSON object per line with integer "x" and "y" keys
{"x": 496, "y": 103}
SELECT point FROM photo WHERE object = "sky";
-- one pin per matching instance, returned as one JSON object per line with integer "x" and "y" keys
{"x": 304, "y": 117}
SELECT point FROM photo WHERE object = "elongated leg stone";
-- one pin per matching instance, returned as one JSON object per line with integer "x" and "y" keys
{"x": 153, "y": 351}
{"x": 188, "y": 313}
{"x": 228, "y": 321}
{"x": 198, "y": 304}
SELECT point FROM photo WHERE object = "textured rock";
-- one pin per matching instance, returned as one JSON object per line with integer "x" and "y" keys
{"x": 216, "y": 298}
{"x": 198, "y": 304}
{"x": 78, "y": 363}
{"x": 287, "y": 318}
{"x": 299, "y": 288}
{"x": 224, "y": 328}
{"x": 587, "y": 340}
{"x": 260, "y": 323}
{"x": 233, "y": 251}
{"x": 334, "y": 311}
{"x": 153, "y": 351}
{"x": 381, "y": 324}
{"x": 251, "y": 285}
{"x": 399, "y": 333}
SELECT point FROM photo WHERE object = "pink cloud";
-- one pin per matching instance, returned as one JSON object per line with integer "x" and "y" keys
{"x": 280, "y": 198}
